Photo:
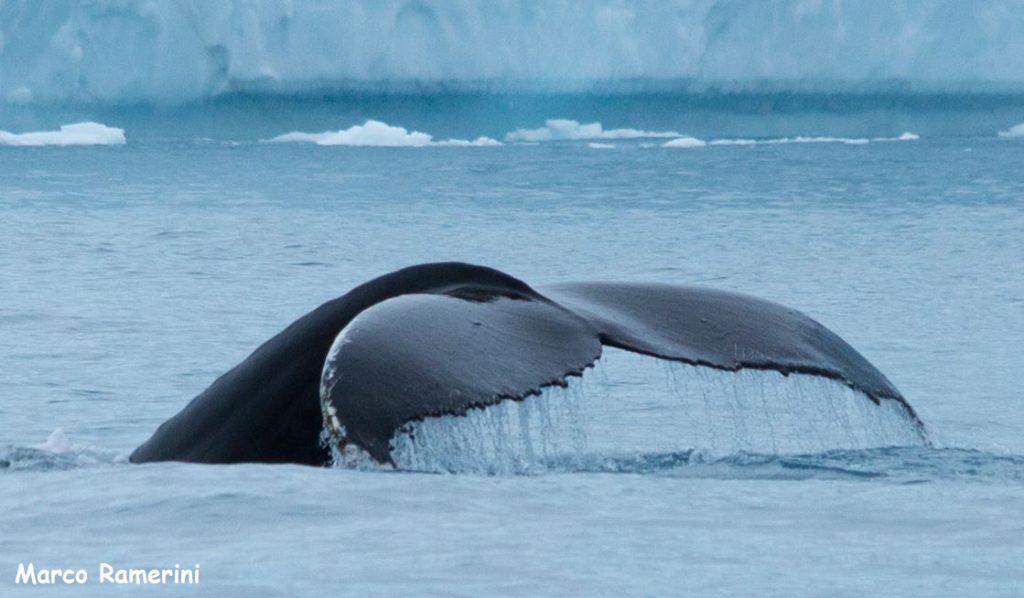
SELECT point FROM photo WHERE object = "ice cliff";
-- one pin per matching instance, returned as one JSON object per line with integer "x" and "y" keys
{"x": 122, "y": 51}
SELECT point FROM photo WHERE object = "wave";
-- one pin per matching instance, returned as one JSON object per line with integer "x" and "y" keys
{"x": 374, "y": 133}
{"x": 57, "y": 453}
{"x": 898, "y": 464}
{"x": 107, "y": 51}
{"x": 84, "y": 133}
{"x": 902, "y": 465}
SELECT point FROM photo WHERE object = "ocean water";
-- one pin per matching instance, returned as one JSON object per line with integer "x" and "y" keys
{"x": 134, "y": 274}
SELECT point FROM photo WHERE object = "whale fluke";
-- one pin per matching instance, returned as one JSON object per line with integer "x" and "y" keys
{"x": 441, "y": 339}
{"x": 419, "y": 356}
{"x": 719, "y": 329}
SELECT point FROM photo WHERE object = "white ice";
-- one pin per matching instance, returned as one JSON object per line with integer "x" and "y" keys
{"x": 561, "y": 129}
{"x": 685, "y": 142}
{"x": 1014, "y": 131}
{"x": 122, "y": 52}
{"x": 374, "y": 133}
{"x": 86, "y": 133}
{"x": 905, "y": 136}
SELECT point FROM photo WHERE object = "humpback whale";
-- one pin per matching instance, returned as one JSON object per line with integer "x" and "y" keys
{"x": 444, "y": 338}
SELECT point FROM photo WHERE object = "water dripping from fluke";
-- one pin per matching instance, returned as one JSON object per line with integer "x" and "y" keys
{"x": 638, "y": 415}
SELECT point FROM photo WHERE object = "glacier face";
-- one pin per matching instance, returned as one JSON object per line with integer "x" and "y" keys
{"x": 125, "y": 51}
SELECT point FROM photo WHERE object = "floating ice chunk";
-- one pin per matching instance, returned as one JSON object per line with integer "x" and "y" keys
{"x": 561, "y": 129}
{"x": 374, "y": 133}
{"x": 371, "y": 133}
{"x": 798, "y": 139}
{"x": 904, "y": 136}
{"x": 802, "y": 139}
{"x": 733, "y": 142}
{"x": 1014, "y": 131}
{"x": 685, "y": 142}
{"x": 85, "y": 133}
{"x": 557, "y": 129}
{"x": 478, "y": 142}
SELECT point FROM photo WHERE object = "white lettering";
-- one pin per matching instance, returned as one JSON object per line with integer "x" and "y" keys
{"x": 26, "y": 575}
{"x": 106, "y": 573}
{"x": 29, "y": 575}
{"x": 190, "y": 576}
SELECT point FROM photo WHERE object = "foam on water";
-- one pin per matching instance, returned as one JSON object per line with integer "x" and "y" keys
{"x": 57, "y": 452}
{"x": 57, "y": 442}
{"x": 84, "y": 133}
{"x": 629, "y": 410}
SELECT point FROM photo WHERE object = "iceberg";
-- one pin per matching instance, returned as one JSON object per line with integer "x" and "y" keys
{"x": 560, "y": 129}
{"x": 1014, "y": 131}
{"x": 905, "y": 136}
{"x": 374, "y": 133}
{"x": 86, "y": 133}
{"x": 819, "y": 139}
{"x": 129, "y": 52}
{"x": 685, "y": 142}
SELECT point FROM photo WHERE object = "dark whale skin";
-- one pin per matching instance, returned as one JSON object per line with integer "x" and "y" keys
{"x": 444, "y": 338}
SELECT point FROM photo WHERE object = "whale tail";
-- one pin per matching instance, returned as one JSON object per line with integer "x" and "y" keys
{"x": 441, "y": 339}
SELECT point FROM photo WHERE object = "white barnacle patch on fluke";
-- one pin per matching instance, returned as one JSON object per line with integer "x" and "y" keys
{"x": 334, "y": 436}
{"x": 334, "y": 432}
{"x": 351, "y": 456}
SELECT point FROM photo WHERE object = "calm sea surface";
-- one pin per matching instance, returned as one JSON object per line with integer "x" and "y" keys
{"x": 131, "y": 276}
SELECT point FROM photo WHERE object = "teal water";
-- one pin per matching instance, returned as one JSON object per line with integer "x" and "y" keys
{"x": 133, "y": 275}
